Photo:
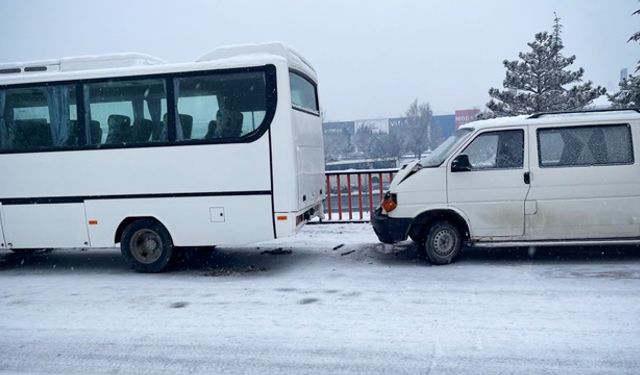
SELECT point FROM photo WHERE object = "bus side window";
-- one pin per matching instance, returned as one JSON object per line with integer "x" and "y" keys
{"x": 37, "y": 117}
{"x": 127, "y": 111}
{"x": 221, "y": 106}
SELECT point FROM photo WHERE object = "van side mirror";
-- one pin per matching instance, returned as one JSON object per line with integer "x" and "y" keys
{"x": 461, "y": 164}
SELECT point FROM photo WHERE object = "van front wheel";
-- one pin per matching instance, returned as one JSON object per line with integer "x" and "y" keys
{"x": 146, "y": 246}
{"x": 442, "y": 243}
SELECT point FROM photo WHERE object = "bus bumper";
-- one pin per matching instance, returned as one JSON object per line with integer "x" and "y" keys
{"x": 390, "y": 229}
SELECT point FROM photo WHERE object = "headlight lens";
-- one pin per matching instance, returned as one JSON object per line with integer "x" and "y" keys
{"x": 390, "y": 202}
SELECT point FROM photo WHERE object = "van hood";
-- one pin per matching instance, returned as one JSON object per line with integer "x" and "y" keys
{"x": 403, "y": 173}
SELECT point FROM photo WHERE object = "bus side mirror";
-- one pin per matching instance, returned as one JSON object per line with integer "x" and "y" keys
{"x": 461, "y": 164}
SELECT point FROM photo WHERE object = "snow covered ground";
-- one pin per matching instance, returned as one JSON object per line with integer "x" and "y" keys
{"x": 365, "y": 308}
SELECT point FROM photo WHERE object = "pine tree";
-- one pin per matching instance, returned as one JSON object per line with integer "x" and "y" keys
{"x": 629, "y": 94}
{"x": 541, "y": 81}
{"x": 636, "y": 38}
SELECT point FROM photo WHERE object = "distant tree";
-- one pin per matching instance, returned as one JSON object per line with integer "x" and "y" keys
{"x": 337, "y": 145}
{"x": 368, "y": 142}
{"x": 629, "y": 94}
{"x": 392, "y": 145}
{"x": 540, "y": 80}
{"x": 417, "y": 132}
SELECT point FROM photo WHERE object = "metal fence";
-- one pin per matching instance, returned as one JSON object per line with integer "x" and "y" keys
{"x": 353, "y": 195}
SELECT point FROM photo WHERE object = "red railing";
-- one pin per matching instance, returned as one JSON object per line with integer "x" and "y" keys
{"x": 357, "y": 191}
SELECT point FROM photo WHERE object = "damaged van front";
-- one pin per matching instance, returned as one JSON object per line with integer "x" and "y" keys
{"x": 419, "y": 186}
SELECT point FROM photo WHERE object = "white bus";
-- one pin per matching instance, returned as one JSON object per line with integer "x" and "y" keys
{"x": 128, "y": 149}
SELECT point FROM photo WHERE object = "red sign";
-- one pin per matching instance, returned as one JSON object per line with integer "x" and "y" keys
{"x": 465, "y": 115}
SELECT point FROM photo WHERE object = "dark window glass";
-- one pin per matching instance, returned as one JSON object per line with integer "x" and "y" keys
{"x": 220, "y": 106}
{"x": 127, "y": 112}
{"x": 585, "y": 145}
{"x": 303, "y": 93}
{"x": 497, "y": 150}
{"x": 38, "y": 118}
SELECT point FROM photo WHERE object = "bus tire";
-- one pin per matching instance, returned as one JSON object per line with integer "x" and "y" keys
{"x": 442, "y": 243}
{"x": 146, "y": 246}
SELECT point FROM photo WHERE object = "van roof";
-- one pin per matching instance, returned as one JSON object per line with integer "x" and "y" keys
{"x": 604, "y": 115}
{"x": 132, "y": 64}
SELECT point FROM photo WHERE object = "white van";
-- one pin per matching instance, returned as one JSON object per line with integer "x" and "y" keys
{"x": 548, "y": 179}
{"x": 128, "y": 149}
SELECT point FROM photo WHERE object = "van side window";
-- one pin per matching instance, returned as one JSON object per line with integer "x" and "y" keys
{"x": 126, "y": 111}
{"x": 585, "y": 145}
{"x": 497, "y": 150}
{"x": 35, "y": 118}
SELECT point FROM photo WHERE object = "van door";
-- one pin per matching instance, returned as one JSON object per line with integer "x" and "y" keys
{"x": 584, "y": 183}
{"x": 492, "y": 191}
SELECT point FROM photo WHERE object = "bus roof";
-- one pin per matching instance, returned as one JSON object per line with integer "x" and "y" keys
{"x": 132, "y": 64}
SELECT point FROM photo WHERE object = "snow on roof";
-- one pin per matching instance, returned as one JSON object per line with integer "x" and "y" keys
{"x": 556, "y": 118}
{"x": 270, "y": 48}
{"x": 125, "y": 64}
{"x": 69, "y": 64}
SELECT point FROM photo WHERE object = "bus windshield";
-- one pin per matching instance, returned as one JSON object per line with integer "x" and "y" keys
{"x": 435, "y": 158}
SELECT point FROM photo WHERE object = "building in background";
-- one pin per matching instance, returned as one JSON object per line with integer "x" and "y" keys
{"x": 624, "y": 73}
{"x": 445, "y": 125}
{"x": 337, "y": 127}
{"x": 340, "y": 144}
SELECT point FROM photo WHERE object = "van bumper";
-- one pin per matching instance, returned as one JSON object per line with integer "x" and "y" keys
{"x": 390, "y": 229}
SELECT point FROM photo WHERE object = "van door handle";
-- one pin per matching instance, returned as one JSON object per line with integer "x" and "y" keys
{"x": 527, "y": 177}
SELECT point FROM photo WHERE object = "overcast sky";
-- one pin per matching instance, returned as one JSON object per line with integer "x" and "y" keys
{"x": 373, "y": 57}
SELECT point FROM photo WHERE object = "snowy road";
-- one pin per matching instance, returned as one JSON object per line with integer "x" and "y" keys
{"x": 365, "y": 308}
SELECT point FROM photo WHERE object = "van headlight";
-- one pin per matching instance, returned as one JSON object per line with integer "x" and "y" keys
{"x": 390, "y": 202}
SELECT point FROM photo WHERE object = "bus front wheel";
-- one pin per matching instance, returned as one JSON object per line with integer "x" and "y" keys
{"x": 146, "y": 246}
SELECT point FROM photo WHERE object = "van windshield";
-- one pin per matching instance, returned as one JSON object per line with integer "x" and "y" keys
{"x": 441, "y": 152}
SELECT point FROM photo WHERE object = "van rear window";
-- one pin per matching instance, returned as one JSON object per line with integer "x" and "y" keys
{"x": 585, "y": 145}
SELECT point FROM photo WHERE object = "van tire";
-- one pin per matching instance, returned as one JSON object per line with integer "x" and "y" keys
{"x": 442, "y": 243}
{"x": 146, "y": 246}
{"x": 417, "y": 233}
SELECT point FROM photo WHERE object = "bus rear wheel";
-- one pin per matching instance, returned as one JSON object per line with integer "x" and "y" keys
{"x": 146, "y": 246}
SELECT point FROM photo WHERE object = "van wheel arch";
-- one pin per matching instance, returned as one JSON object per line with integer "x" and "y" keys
{"x": 425, "y": 220}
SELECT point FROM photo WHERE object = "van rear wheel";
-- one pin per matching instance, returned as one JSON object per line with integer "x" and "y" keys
{"x": 146, "y": 246}
{"x": 442, "y": 243}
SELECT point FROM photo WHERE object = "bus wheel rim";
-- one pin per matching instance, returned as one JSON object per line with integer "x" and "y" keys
{"x": 146, "y": 246}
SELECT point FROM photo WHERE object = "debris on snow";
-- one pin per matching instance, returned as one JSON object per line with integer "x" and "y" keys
{"x": 278, "y": 251}
{"x": 306, "y": 301}
{"x": 178, "y": 305}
